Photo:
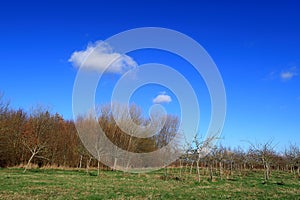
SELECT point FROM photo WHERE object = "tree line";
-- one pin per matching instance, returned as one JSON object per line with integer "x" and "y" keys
{"x": 223, "y": 162}
{"x": 45, "y": 139}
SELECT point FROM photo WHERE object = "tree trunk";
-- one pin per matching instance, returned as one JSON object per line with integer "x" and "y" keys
{"x": 166, "y": 172}
{"x": 80, "y": 162}
{"x": 128, "y": 164}
{"x": 268, "y": 171}
{"x": 29, "y": 161}
{"x": 231, "y": 168}
{"x": 128, "y": 147}
{"x": 180, "y": 171}
{"x": 191, "y": 167}
{"x": 186, "y": 168}
{"x": 221, "y": 172}
{"x": 98, "y": 167}
{"x": 115, "y": 163}
{"x": 211, "y": 172}
{"x": 88, "y": 164}
{"x": 198, "y": 170}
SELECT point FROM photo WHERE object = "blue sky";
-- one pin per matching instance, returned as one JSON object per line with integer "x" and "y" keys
{"x": 255, "y": 45}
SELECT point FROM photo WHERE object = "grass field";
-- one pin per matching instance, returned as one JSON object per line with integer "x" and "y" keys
{"x": 73, "y": 184}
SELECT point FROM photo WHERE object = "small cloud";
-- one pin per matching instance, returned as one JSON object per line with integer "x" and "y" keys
{"x": 162, "y": 98}
{"x": 99, "y": 55}
{"x": 288, "y": 74}
{"x": 284, "y": 75}
{"x": 271, "y": 76}
{"x": 298, "y": 98}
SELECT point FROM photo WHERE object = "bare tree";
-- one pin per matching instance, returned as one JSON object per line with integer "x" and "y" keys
{"x": 292, "y": 155}
{"x": 219, "y": 155}
{"x": 230, "y": 157}
{"x": 35, "y": 135}
{"x": 203, "y": 148}
{"x": 239, "y": 160}
{"x": 167, "y": 133}
{"x": 4, "y": 138}
{"x": 264, "y": 153}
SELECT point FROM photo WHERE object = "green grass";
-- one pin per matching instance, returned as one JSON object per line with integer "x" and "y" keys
{"x": 73, "y": 184}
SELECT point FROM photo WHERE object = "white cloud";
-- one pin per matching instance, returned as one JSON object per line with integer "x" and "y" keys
{"x": 99, "y": 55}
{"x": 162, "y": 98}
{"x": 289, "y": 74}
{"x": 286, "y": 75}
{"x": 271, "y": 76}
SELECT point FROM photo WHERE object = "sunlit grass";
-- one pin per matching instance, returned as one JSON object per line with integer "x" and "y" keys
{"x": 77, "y": 184}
